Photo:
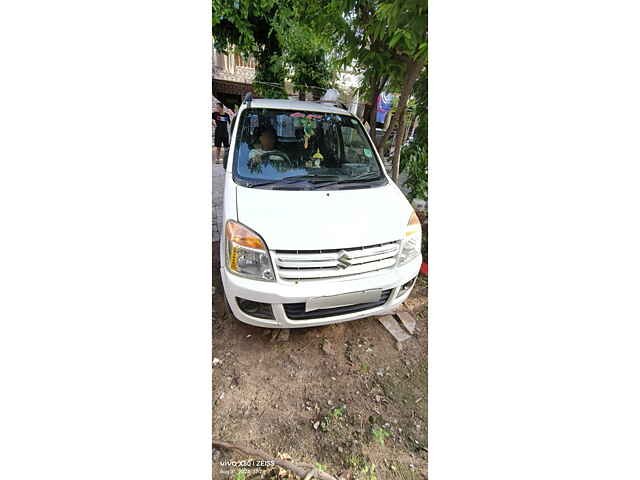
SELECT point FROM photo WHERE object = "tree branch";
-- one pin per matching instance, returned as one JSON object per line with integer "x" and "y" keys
{"x": 302, "y": 470}
{"x": 386, "y": 134}
{"x": 403, "y": 57}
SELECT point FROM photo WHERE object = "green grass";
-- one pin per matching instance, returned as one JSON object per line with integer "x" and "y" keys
{"x": 338, "y": 411}
{"x": 363, "y": 469}
{"x": 240, "y": 475}
{"x": 379, "y": 434}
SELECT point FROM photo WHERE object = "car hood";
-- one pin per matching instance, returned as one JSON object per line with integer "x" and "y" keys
{"x": 324, "y": 219}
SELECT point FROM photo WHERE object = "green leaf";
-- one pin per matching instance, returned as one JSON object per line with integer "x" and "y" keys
{"x": 396, "y": 38}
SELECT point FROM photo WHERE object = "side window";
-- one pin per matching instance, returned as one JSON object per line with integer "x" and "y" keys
{"x": 354, "y": 146}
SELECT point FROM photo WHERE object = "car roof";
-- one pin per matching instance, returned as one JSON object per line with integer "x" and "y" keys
{"x": 296, "y": 105}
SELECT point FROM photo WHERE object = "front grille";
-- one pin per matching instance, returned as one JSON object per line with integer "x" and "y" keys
{"x": 314, "y": 264}
{"x": 296, "y": 311}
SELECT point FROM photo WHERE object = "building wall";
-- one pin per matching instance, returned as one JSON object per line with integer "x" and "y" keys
{"x": 349, "y": 82}
{"x": 232, "y": 77}
{"x": 233, "y": 68}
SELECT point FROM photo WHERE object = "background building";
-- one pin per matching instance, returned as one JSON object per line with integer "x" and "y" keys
{"x": 231, "y": 78}
{"x": 348, "y": 83}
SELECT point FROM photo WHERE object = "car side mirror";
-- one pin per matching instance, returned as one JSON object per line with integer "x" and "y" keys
{"x": 225, "y": 158}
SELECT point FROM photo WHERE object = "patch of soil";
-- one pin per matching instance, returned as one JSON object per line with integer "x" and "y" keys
{"x": 342, "y": 396}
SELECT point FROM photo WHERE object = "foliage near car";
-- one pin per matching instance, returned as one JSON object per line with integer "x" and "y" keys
{"x": 413, "y": 157}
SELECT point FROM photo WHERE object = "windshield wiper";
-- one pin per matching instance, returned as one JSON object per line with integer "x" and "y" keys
{"x": 360, "y": 178}
{"x": 292, "y": 179}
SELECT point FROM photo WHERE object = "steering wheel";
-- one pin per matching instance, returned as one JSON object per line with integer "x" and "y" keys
{"x": 268, "y": 156}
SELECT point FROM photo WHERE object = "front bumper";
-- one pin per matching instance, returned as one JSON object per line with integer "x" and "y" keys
{"x": 278, "y": 293}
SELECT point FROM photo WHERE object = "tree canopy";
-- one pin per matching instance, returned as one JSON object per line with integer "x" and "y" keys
{"x": 247, "y": 27}
{"x": 306, "y": 56}
{"x": 383, "y": 40}
{"x": 284, "y": 47}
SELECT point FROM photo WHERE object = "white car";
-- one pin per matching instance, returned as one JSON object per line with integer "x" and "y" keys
{"x": 314, "y": 231}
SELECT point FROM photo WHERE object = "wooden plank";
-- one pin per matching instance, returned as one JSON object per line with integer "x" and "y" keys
{"x": 394, "y": 328}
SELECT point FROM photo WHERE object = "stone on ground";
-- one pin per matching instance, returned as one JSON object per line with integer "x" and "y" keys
{"x": 284, "y": 335}
{"x": 327, "y": 348}
{"x": 280, "y": 335}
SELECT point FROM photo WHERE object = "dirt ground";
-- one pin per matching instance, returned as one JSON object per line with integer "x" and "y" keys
{"x": 343, "y": 396}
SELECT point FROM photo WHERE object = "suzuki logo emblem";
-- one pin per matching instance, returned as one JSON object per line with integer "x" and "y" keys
{"x": 344, "y": 260}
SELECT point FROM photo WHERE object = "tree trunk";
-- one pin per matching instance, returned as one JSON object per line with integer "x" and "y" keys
{"x": 413, "y": 70}
{"x": 414, "y": 125}
{"x": 380, "y": 83}
{"x": 384, "y": 148}
{"x": 387, "y": 132}
{"x": 302, "y": 95}
{"x": 372, "y": 115}
{"x": 384, "y": 142}
{"x": 398, "y": 141}
{"x": 387, "y": 121}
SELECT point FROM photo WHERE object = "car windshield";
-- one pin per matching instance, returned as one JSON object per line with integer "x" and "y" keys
{"x": 303, "y": 149}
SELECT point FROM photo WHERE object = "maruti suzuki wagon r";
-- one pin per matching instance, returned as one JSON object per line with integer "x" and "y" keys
{"x": 314, "y": 231}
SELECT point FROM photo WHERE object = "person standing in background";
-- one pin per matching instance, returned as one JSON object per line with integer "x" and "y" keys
{"x": 221, "y": 133}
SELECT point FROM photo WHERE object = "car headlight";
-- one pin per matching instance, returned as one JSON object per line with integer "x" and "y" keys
{"x": 412, "y": 241}
{"x": 247, "y": 254}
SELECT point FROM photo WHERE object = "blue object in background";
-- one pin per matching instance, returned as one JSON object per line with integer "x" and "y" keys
{"x": 383, "y": 106}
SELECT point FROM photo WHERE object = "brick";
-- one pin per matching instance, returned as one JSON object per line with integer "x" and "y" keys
{"x": 394, "y": 328}
{"x": 408, "y": 321}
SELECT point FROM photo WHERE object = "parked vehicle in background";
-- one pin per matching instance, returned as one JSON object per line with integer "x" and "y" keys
{"x": 315, "y": 232}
